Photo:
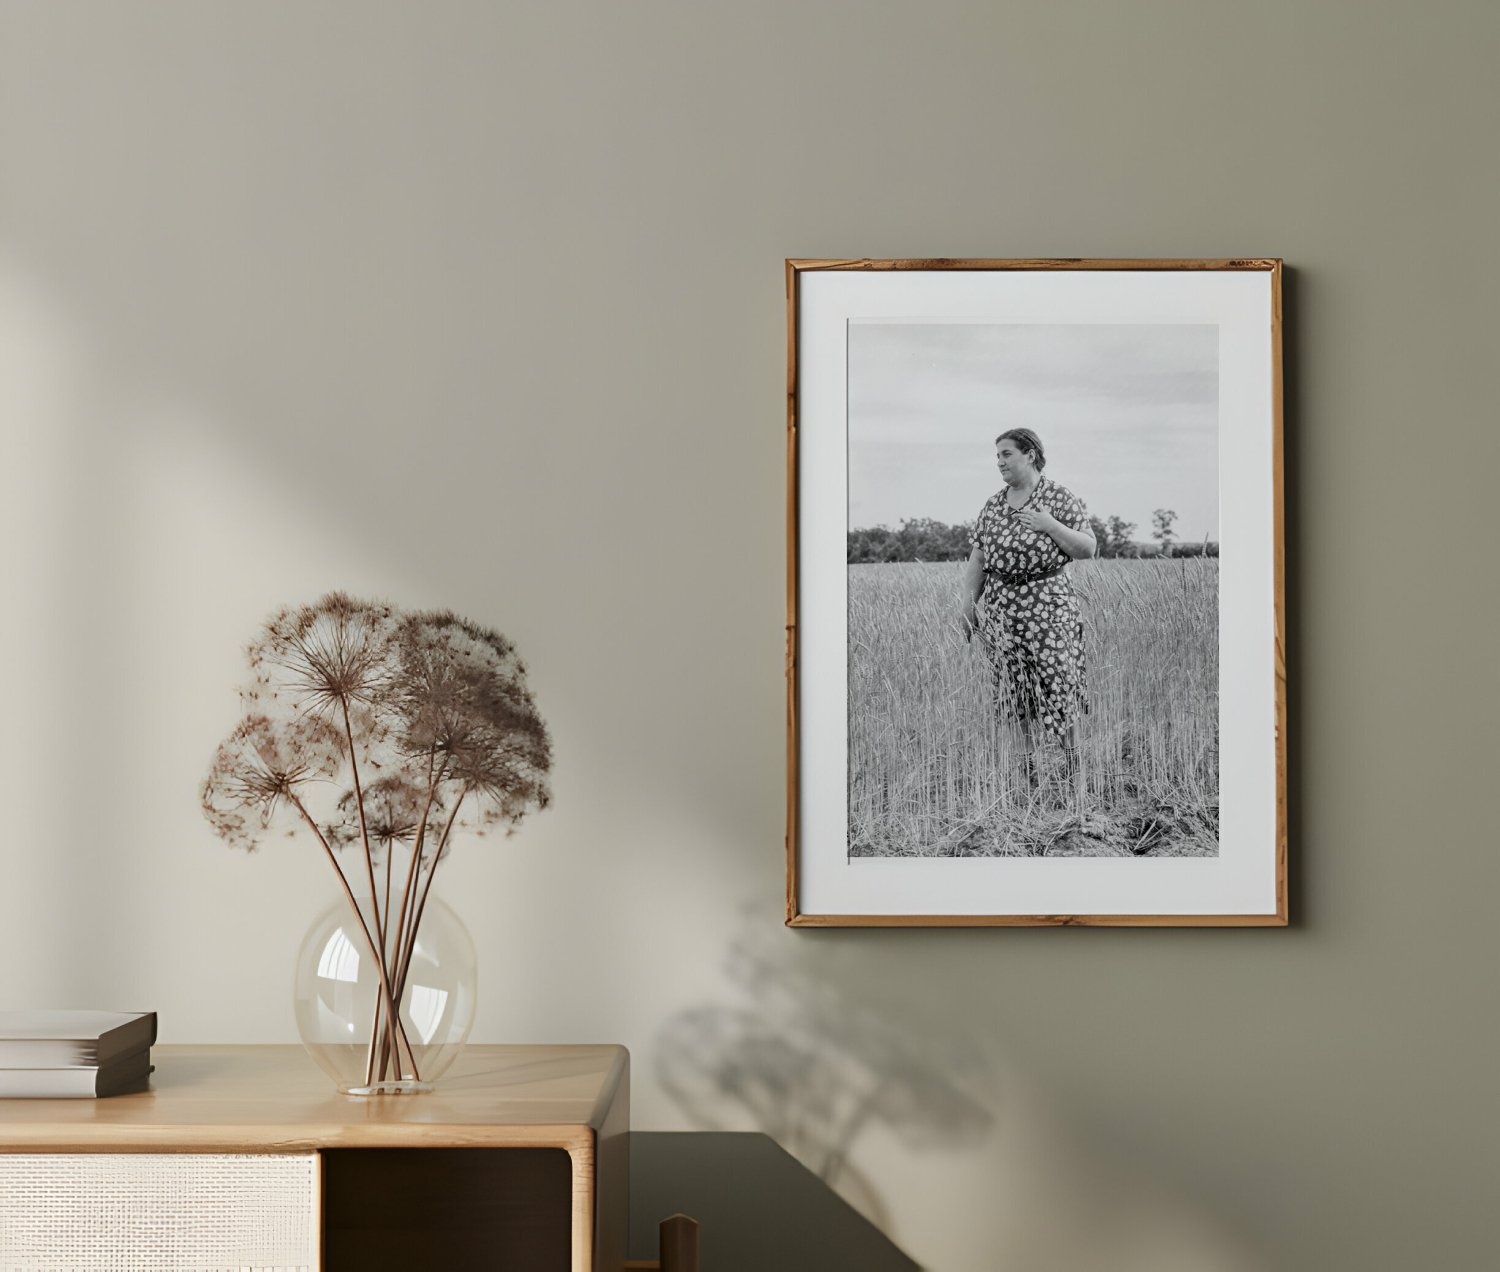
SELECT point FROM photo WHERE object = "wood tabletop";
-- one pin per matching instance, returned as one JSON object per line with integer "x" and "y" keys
{"x": 275, "y": 1099}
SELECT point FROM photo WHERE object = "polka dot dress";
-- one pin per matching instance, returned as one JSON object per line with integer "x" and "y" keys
{"x": 1032, "y": 625}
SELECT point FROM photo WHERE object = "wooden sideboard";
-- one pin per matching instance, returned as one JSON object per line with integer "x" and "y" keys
{"x": 520, "y": 1158}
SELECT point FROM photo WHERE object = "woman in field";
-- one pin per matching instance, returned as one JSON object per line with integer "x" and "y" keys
{"x": 1019, "y": 599}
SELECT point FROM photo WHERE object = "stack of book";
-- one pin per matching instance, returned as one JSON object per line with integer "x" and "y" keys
{"x": 51, "y": 1055}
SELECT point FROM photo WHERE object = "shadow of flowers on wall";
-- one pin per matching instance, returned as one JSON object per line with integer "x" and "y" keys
{"x": 805, "y": 1058}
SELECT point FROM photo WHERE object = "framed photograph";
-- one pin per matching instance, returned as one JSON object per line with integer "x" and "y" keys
{"x": 1035, "y": 667}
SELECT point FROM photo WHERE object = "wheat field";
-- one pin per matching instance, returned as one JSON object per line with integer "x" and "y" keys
{"x": 932, "y": 772}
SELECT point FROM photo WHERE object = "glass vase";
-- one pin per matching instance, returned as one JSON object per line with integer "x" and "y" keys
{"x": 341, "y": 999}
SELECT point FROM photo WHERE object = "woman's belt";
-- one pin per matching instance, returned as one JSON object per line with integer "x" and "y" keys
{"x": 1018, "y": 580}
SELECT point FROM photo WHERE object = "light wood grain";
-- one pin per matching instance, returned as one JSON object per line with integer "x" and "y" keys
{"x": 1043, "y": 262}
{"x": 262, "y": 1099}
{"x": 795, "y": 267}
{"x": 1035, "y": 920}
{"x": 792, "y": 655}
{"x": 1279, "y": 529}
{"x": 612, "y": 1172}
{"x": 275, "y": 1099}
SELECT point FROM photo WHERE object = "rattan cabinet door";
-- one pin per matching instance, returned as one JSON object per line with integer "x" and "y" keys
{"x": 159, "y": 1212}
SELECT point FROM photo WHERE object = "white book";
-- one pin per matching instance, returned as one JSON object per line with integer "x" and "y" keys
{"x": 120, "y": 1076}
{"x": 72, "y": 1039}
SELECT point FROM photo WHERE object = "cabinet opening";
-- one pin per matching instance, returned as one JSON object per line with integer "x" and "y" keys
{"x": 423, "y": 1208}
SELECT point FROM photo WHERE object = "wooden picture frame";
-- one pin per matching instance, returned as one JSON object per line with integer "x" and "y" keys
{"x": 1139, "y": 778}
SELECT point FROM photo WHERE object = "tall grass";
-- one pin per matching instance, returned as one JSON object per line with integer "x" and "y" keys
{"x": 933, "y": 772}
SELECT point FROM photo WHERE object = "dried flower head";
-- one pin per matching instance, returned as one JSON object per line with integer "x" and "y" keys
{"x": 323, "y": 658}
{"x": 261, "y": 767}
{"x": 461, "y": 696}
{"x": 425, "y": 708}
{"x": 394, "y": 806}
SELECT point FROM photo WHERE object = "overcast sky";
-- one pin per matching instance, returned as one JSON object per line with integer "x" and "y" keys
{"x": 1128, "y": 416}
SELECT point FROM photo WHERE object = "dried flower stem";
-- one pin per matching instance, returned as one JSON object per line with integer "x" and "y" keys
{"x": 385, "y": 984}
{"x": 409, "y": 944}
{"x": 434, "y": 778}
{"x": 364, "y": 838}
{"x": 364, "y": 832}
{"x": 387, "y": 887}
{"x": 385, "y": 954}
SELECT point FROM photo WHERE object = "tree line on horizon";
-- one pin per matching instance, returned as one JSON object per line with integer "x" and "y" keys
{"x": 925, "y": 539}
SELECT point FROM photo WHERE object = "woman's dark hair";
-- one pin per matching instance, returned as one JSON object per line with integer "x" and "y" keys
{"x": 1028, "y": 442}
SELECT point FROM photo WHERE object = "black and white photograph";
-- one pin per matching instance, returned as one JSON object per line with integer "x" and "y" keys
{"x": 1033, "y": 590}
{"x": 1036, "y": 668}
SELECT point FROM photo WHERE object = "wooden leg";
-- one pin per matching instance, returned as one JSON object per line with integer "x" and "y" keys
{"x": 679, "y": 1244}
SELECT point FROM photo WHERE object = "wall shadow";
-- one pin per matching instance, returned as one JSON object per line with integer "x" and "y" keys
{"x": 802, "y": 1056}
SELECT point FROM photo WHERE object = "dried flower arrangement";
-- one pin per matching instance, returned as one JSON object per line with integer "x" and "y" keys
{"x": 380, "y": 733}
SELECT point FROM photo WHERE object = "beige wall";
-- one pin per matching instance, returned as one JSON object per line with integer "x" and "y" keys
{"x": 481, "y": 305}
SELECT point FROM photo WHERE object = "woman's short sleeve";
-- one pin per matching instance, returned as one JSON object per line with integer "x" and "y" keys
{"x": 978, "y": 530}
{"x": 1068, "y": 508}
